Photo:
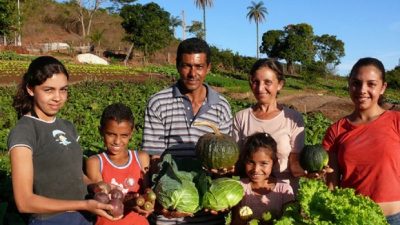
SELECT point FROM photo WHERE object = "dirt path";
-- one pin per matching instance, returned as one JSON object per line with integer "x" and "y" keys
{"x": 332, "y": 107}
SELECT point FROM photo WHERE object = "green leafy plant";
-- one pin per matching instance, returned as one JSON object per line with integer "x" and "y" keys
{"x": 318, "y": 205}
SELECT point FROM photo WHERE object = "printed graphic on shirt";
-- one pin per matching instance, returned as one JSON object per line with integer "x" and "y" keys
{"x": 60, "y": 137}
{"x": 126, "y": 186}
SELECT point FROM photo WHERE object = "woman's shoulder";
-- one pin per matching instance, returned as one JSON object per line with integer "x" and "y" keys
{"x": 393, "y": 113}
{"x": 243, "y": 112}
{"x": 291, "y": 112}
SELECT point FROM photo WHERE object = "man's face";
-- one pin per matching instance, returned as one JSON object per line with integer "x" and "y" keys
{"x": 193, "y": 70}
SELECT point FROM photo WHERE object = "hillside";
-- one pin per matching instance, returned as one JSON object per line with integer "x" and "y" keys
{"x": 46, "y": 21}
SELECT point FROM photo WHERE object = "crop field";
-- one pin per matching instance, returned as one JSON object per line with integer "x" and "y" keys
{"x": 92, "y": 91}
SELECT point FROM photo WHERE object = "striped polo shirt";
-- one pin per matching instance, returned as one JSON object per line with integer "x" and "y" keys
{"x": 169, "y": 118}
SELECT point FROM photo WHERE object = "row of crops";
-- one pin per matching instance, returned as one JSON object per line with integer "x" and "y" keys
{"x": 88, "y": 99}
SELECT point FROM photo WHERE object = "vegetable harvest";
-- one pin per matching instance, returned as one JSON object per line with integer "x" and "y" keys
{"x": 313, "y": 158}
{"x": 216, "y": 150}
{"x": 224, "y": 193}
{"x": 317, "y": 205}
{"x": 174, "y": 189}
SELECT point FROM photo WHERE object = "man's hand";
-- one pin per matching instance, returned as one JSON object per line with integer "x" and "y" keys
{"x": 171, "y": 213}
{"x": 174, "y": 214}
{"x": 222, "y": 171}
{"x": 214, "y": 212}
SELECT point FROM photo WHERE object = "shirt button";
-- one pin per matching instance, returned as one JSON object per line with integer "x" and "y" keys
{"x": 188, "y": 108}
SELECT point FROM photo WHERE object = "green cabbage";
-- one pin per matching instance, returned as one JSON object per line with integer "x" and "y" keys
{"x": 224, "y": 193}
{"x": 175, "y": 189}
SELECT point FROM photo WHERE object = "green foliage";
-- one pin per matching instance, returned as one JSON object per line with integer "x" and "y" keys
{"x": 393, "y": 78}
{"x": 297, "y": 43}
{"x": 87, "y": 101}
{"x": 196, "y": 29}
{"x": 329, "y": 49}
{"x": 8, "y": 117}
{"x": 140, "y": 21}
{"x": 225, "y": 61}
{"x": 312, "y": 70}
{"x": 8, "y": 17}
{"x": 315, "y": 126}
{"x": 294, "y": 44}
{"x": 317, "y": 205}
{"x": 176, "y": 189}
{"x": 10, "y": 55}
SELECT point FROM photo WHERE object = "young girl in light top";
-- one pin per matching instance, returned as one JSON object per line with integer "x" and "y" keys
{"x": 263, "y": 192}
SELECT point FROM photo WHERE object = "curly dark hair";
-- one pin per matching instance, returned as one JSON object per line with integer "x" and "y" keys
{"x": 191, "y": 46}
{"x": 118, "y": 112}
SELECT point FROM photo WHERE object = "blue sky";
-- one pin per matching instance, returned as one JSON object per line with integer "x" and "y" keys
{"x": 367, "y": 27}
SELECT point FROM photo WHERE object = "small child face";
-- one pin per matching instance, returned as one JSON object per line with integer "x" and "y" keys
{"x": 259, "y": 165}
{"x": 116, "y": 136}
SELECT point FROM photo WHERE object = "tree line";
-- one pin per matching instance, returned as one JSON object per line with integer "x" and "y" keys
{"x": 149, "y": 28}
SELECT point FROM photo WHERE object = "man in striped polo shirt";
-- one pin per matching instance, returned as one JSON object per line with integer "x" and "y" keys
{"x": 170, "y": 114}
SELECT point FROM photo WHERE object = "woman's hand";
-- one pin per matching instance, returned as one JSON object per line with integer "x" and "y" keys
{"x": 101, "y": 209}
{"x": 320, "y": 174}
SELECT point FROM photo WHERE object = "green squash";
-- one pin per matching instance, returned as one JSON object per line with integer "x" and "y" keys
{"x": 216, "y": 150}
{"x": 313, "y": 158}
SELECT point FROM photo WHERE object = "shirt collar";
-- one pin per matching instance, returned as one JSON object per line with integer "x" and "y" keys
{"x": 212, "y": 95}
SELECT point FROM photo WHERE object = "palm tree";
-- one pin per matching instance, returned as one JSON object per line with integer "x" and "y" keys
{"x": 257, "y": 12}
{"x": 202, "y": 4}
{"x": 175, "y": 21}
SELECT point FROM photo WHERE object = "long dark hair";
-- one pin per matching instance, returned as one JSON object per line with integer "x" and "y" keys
{"x": 38, "y": 72}
{"x": 369, "y": 61}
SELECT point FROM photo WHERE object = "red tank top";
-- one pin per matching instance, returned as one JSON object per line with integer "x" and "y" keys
{"x": 122, "y": 176}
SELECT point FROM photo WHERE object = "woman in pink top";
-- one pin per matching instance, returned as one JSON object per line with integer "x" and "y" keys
{"x": 263, "y": 192}
{"x": 285, "y": 125}
{"x": 364, "y": 147}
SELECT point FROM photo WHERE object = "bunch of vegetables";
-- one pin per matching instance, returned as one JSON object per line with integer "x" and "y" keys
{"x": 144, "y": 201}
{"x": 111, "y": 194}
{"x": 246, "y": 214}
{"x": 317, "y": 205}
{"x": 189, "y": 192}
{"x": 105, "y": 193}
